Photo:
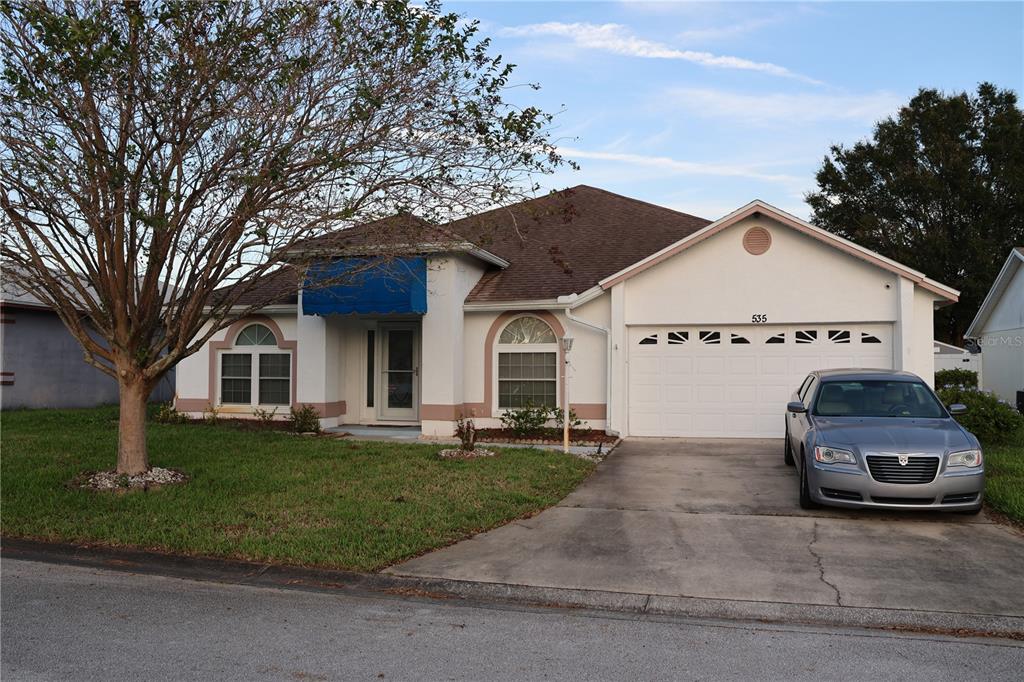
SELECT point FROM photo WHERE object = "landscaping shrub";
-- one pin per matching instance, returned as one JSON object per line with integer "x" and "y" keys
{"x": 465, "y": 431}
{"x": 305, "y": 419}
{"x": 527, "y": 420}
{"x": 166, "y": 414}
{"x": 266, "y": 417}
{"x": 987, "y": 417}
{"x": 575, "y": 423}
{"x": 951, "y": 378}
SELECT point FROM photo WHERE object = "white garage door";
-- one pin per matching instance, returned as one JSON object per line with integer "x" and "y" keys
{"x": 735, "y": 381}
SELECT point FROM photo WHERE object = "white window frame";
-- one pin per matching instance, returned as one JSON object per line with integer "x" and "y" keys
{"x": 254, "y": 387}
{"x": 500, "y": 348}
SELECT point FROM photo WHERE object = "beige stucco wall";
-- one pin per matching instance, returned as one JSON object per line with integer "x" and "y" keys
{"x": 192, "y": 374}
{"x": 799, "y": 279}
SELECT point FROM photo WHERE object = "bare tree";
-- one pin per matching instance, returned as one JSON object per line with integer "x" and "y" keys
{"x": 154, "y": 152}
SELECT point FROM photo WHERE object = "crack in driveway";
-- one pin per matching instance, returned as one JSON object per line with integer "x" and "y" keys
{"x": 820, "y": 565}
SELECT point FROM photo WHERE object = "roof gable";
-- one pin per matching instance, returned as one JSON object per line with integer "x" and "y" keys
{"x": 759, "y": 207}
{"x": 1002, "y": 282}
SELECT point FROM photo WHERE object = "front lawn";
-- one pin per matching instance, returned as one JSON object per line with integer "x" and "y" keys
{"x": 264, "y": 495}
{"x": 1004, "y": 479}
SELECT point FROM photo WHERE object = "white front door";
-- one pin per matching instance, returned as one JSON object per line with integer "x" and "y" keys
{"x": 400, "y": 374}
{"x": 716, "y": 381}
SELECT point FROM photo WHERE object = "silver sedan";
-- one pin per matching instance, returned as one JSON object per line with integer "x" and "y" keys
{"x": 880, "y": 438}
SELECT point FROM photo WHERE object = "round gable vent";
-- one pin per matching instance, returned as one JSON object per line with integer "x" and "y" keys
{"x": 757, "y": 240}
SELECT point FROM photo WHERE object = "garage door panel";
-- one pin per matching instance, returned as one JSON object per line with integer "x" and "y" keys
{"x": 736, "y": 389}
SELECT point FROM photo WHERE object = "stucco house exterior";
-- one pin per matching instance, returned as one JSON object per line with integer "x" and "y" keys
{"x": 41, "y": 364}
{"x": 999, "y": 330}
{"x": 681, "y": 326}
{"x": 948, "y": 356}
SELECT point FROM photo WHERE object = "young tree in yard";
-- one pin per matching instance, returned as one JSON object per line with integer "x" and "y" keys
{"x": 939, "y": 187}
{"x": 153, "y": 152}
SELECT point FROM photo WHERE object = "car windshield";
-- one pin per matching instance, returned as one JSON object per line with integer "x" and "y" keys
{"x": 877, "y": 398}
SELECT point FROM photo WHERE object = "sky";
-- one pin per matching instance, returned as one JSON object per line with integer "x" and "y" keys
{"x": 703, "y": 107}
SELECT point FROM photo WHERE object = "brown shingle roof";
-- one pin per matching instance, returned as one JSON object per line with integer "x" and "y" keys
{"x": 567, "y": 242}
{"x": 559, "y": 244}
{"x": 278, "y": 287}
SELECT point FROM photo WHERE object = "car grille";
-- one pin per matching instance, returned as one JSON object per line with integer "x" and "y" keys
{"x": 902, "y": 500}
{"x": 887, "y": 469}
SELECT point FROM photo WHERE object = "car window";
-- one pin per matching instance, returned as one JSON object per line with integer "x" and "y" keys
{"x": 802, "y": 391}
{"x": 877, "y": 398}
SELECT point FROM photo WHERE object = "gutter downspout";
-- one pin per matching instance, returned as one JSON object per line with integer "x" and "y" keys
{"x": 608, "y": 360}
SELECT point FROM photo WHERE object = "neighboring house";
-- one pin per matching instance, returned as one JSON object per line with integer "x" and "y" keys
{"x": 681, "y": 326}
{"x": 948, "y": 356}
{"x": 41, "y": 363}
{"x": 999, "y": 330}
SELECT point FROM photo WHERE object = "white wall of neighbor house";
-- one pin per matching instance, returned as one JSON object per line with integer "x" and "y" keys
{"x": 1002, "y": 342}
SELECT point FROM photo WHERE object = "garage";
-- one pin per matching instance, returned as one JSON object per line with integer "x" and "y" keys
{"x": 734, "y": 381}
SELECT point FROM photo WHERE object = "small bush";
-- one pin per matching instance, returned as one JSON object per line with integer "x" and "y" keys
{"x": 305, "y": 419}
{"x": 987, "y": 417}
{"x": 166, "y": 414}
{"x": 575, "y": 423}
{"x": 525, "y": 421}
{"x": 266, "y": 417}
{"x": 465, "y": 430}
{"x": 211, "y": 414}
{"x": 952, "y": 378}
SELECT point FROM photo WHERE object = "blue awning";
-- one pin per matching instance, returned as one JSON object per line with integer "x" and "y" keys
{"x": 366, "y": 286}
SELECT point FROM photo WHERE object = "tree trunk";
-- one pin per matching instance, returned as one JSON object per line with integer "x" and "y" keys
{"x": 132, "y": 457}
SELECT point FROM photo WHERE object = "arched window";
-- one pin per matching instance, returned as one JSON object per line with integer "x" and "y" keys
{"x": 527, "y": 364}
{"x": 250, "y": 374}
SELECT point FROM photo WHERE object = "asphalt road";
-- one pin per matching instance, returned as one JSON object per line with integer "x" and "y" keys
{"x": 63, "y": 622}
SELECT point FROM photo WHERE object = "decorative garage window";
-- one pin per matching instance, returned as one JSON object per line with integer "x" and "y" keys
{"x": 527, "y": 364}
{"x": 677, "y": 338}
{"x": 806, "y": 335}
{"x": 778, "y": 338}
{"x": 252, "y": 374}
{"x": 651, "y": 340}
{"x": 839, "y": 335}
{"x": 869, "y": 338}
{"x": 736, "y": 338}
{"x": 710, "y": 337}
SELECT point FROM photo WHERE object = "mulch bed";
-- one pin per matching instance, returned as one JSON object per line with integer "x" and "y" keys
{"x": 576, "y": 436}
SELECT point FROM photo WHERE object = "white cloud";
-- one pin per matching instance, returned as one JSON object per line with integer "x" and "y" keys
{"x": 617, "y": 39}
{"x": 669, "y": 165}
{"x": 726, "y": 31}
{"x": 781, "y": 108}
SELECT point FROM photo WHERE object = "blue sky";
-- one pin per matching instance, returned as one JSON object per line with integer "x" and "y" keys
{"x": 705, "y": 106}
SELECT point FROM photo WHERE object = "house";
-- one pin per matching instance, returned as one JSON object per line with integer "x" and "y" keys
{"x": 948, "y": 356}
{"x": 999, "y": 330}
{"x": 681, "y": 326}
{"x": 41, "y": 363}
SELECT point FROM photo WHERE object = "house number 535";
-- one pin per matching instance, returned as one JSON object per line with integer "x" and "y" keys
{"x": 759, "y": 318}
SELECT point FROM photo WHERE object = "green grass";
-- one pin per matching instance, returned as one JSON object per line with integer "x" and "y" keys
{"x": 266, "y": 496}
{"x": 1004, "y": 479}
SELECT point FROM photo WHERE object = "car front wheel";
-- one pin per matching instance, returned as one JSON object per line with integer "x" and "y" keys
{"x": 806, "y": 501}
{"x": 787, "y": 450}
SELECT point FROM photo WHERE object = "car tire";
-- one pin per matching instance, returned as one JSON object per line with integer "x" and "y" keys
{"x": 806, "y": 501}
{"x": 787, "y": 451}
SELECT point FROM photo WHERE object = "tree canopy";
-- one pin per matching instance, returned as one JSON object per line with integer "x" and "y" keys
{"x": 153, "y": 152}
{"x": 938, "y": 187}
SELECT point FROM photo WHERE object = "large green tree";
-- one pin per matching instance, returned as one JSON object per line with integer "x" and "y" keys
{"x": 154, "y": 151}
{"x": 938, "y": 187}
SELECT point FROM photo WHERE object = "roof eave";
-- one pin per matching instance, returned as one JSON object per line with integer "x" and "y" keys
{"x": 1013, "y": 261}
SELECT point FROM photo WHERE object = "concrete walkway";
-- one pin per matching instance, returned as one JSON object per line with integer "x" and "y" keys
{"x": 718, "y": 519}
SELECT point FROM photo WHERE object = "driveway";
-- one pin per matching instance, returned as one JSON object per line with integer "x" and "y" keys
{"x": 719, "y": 519}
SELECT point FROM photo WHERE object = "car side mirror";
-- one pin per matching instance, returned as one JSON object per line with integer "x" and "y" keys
{"x": 957, "y": 408}
{"x": 796, "y": 406}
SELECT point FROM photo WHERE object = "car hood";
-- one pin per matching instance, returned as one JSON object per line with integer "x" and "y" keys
{"x": 891, "y": 434}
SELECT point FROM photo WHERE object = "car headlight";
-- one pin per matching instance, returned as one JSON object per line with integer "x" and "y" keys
{"x": 967, "y": 458}
{"x": 829, "y": 455}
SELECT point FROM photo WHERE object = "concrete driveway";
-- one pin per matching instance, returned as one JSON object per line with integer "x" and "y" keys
{"x": 718, "y": 519}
